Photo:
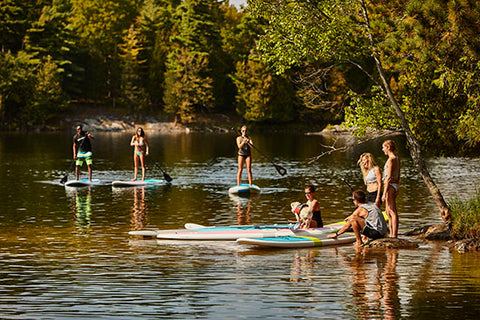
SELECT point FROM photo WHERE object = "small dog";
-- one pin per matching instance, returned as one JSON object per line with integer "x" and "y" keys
{"x": 302, "y": 214}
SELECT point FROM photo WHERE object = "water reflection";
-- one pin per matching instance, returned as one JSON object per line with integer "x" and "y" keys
{"x": 139, "y": 216}
{"x": 375, "y": 283}
{"x": 81, "y": 207}
{"x": 302, "y": 268}
{"x": 244, "y": 206}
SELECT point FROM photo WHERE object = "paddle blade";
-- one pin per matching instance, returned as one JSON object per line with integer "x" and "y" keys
{"x": 64, "y": 179}
{"x": 281, "y": 170}
{"x": 167, "y": 177}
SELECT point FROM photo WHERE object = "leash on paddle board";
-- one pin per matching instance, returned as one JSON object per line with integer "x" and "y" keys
{"x": 281, "y": 170}
{"x": 65, "y": 178}
{"x": 165, "y": 175}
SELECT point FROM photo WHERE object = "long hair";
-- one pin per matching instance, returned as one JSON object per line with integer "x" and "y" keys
{"x": 142, "y": 133}
{"x": 370, "y": 163}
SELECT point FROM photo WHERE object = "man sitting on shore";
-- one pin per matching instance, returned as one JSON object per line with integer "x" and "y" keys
{"x": 366, "y": 220}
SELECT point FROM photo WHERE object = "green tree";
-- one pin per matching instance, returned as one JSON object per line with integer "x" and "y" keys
{"x": 155, "y": 24}
{"x": 345, "y": 31}
{"x": 99, "y": 26}
{"x": 262, "y": 95}
{"x": 187, "y": 87}
{"x": 132, "y": 93}
{"x": 194, "y": 42}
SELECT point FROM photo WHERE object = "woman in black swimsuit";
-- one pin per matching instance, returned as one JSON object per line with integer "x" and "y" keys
{"x": 244, "y": 155}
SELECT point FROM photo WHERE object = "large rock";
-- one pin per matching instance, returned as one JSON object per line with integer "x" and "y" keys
{"x": 440, "y": 231}
{"x": 392, "y": 243}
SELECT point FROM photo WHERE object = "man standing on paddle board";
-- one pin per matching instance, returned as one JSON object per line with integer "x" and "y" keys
{"x": 82, "y": 151}
{"x": 244, "y": 155}
{"x": 366, "y": 220}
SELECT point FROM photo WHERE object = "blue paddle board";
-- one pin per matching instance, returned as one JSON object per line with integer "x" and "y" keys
{"x": 244, "y": 189}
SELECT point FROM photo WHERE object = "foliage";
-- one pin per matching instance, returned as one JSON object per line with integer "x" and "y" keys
{"x": 263, "y": 96}
{"x": 132, "y": 93}
{"x": 187, "y": 87}
{"x": 466, "y": 217}
{"x": 428, "y": 54}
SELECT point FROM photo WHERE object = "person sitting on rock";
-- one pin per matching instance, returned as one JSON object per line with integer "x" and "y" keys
{"x": 366, "y": 220}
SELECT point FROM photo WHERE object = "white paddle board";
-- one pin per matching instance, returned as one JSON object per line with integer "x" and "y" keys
{"x": 82, "y": 183}
{"x": 244, "y": 189}
{"x": 130, "y": 183}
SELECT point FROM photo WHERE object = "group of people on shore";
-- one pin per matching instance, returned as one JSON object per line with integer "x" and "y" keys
{"x": 368, "y": 221}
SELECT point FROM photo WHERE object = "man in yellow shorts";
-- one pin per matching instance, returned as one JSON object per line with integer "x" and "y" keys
{"x": 82, "y": 151}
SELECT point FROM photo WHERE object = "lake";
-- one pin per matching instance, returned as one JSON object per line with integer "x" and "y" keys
{"x": 66, "y": 252}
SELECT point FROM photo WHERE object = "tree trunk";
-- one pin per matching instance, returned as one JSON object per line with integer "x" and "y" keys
{"x": 415, "y": 148}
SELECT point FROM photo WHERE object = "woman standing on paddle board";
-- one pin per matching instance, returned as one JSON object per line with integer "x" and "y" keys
{"x": 244, "y": 155}
{"x": 391, "y": 181}
{"x": 82, "y": 151}
{"x": 140, "y": 151}
{"x": 372, "y": 178}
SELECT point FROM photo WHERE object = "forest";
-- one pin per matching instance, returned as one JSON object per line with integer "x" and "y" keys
{"x": 271, "y": 62}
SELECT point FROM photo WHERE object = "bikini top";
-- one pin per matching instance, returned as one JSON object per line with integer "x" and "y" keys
{"x": 371, "y": 177}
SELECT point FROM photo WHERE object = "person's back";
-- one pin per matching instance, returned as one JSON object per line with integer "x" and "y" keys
{"x": 375, "y": 219}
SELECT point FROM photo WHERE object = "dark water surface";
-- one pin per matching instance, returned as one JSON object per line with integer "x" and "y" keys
{"x": 66, "y": 254}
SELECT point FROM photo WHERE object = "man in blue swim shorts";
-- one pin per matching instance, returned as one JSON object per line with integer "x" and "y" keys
{"x": 82, "y": 151}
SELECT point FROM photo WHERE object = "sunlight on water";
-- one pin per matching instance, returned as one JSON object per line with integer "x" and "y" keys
{"x": 66, "y": 253}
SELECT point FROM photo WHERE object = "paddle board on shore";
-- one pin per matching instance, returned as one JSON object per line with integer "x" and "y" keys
{"x": 244, "y": 189}
{"x": 82, "y": 183}
{"x": 136, "y": 183}
{"x": 298, "y": 241}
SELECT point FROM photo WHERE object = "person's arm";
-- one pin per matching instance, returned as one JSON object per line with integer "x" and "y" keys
{"x": 74, "y": 150}
{"x": 90, "y": 136}
{"x": 133, "y": 142}
{"x": 378, "y": 174}
{"x": 388, "y": 177}
{"x": 147, "y": 148}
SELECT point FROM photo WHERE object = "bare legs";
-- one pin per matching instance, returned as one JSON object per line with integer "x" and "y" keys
{"x": 391, "y": 211}
{"x": 241, "y": 162}
{"x": 136, "y": 160}
{"x": 77, "y": 172}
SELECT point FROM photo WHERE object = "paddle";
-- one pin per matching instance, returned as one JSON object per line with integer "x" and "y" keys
{"x": 165, "y": 175}
{"x": 348, "y": 184}
{"x": 281, "y": 170}
{"x": 65, "y": 178}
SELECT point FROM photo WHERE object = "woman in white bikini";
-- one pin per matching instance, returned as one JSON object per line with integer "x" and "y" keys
{"x": 391, "y": 181}
{"x": 140, "y": 151}
{"x": 372, "y": 178}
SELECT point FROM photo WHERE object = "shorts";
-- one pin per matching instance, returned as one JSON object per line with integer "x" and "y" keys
{"x": 81, "y": 156}
{"x": 371, "y": 233}
{"x": 372, "y": 196}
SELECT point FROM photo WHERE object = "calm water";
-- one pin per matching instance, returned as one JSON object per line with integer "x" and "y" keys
{"x": 66, "y": 254}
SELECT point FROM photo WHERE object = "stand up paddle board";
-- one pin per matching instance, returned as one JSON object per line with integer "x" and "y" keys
{"x": 82, "y": 183}
{"x": 244, "y": 189}
{"x": 250, "y": 231}
{"x": 298, "y": 241}
{"x": 130, "y": 183}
